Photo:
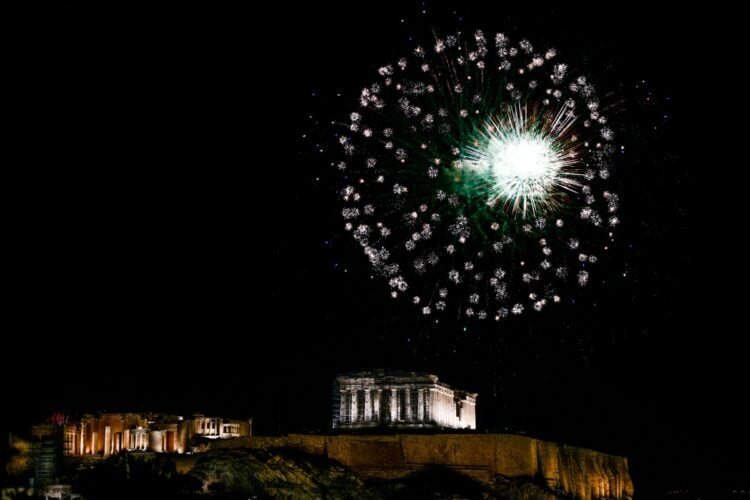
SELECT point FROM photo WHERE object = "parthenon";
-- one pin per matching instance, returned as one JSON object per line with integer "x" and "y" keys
{"x": 400, "y": 399}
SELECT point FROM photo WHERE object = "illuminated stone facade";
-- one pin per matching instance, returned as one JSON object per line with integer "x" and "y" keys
{"x": 400, "y": 399}
{"x": 111, "y": 433}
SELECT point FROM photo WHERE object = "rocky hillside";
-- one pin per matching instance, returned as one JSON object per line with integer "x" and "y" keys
{"x": 454, "y": 466}
{"x": 283, "y": 474}
{"x": 577, "y": 472}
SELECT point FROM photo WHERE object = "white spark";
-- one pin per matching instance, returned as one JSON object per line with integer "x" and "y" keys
{"x": 583, "y": 278}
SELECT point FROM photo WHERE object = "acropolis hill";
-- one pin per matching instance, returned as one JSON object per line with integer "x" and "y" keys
{"x": 562, "y": 471}
{"x": 394, "y": 434}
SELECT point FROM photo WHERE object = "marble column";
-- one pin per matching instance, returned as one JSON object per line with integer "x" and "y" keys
{"x": 342, "y": 407}
{"x": 407, "y": 403}
{"x": 394, "y": 405}
{"x": 107, "y": 440}
{"x": 446, "y": 409}
{"x": 428, "y": 405}
{"x": 420, "y": 405}
{"x": 376, "y": 407}
{"x": 82, "y": 440}
{"x": 368, "y": 413}
{"x": 440, "y": 408}
{"x": 354, "y": 405}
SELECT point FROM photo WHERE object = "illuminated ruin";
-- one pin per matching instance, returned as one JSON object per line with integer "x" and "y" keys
{"x": 400, "y": 399}
{"x": 111, "y": 433}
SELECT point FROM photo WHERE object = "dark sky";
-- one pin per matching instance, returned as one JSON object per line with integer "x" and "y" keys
{"x": 175, "y": 244}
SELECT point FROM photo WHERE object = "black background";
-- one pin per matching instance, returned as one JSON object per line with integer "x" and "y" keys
{"x": 174, "y": 242}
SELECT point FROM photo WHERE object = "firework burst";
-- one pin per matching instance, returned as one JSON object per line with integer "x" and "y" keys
{"x": 475, "y": 177}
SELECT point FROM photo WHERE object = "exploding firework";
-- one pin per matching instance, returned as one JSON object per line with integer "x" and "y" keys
{"x": 475, "y": 177}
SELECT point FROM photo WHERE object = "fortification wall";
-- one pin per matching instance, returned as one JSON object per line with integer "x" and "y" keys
{"x": 583, "y": 473}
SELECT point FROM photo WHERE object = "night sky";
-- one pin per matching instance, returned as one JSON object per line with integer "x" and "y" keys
{"x": 175, "y": 243}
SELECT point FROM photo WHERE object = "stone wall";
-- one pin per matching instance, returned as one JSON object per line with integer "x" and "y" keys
{"x": 582, "y": 473}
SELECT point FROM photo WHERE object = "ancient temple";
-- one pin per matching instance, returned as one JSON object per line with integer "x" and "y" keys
{"x": 400, "y": 399}
{"x": 112, "y": 433}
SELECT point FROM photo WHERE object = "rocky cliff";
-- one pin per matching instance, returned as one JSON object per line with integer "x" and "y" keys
{"x": 567, "y": 470}
{"x": 281, "y": 473}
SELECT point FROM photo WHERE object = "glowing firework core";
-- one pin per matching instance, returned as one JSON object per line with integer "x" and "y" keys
{"x": 527, "y": 161}
{"x": 526, "y": 158}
